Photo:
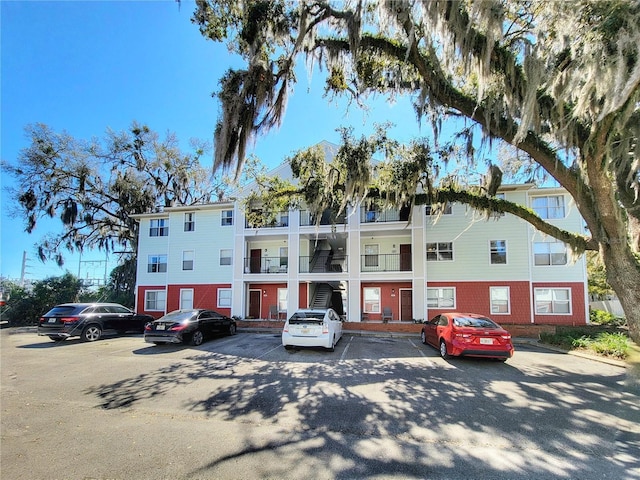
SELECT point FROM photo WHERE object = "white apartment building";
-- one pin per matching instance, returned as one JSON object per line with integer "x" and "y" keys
{"x": 369, "y": 264}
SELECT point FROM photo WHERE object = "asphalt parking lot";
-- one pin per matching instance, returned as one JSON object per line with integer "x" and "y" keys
{"x": 244, "y": 407}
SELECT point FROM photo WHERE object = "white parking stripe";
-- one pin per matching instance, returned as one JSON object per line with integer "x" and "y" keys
{"x": 429, "y": 362}
{"x": 345, "y": 349}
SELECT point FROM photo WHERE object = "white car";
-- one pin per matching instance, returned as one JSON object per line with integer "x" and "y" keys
{"x": 312, "y": 328}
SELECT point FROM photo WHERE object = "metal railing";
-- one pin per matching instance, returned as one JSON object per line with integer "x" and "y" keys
{"x": 307, "y": 219}
{"x": 379, "y": 215}
{"x": 266, "y": 265}
{"x": 282, "y": 220}
{"x": 389, "y": 262}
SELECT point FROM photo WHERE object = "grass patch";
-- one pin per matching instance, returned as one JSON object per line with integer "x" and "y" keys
{"x": 614, "y": 345}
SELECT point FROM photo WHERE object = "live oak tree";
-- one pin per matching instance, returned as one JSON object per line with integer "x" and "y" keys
{"x": 93, "y": 187}
{"x": 559, "y": 81}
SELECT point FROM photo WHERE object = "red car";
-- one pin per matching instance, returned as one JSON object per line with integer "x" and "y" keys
{"x": 467, "y": 334}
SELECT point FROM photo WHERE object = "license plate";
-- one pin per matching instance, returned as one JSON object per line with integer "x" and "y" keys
{"x": 160, "y": 327}
{"x": 305, "y": 330}
{"x": 51, "y": 320}
{"x": 486, "y": 341}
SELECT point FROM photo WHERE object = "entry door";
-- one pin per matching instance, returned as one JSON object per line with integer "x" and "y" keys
{"x": 256, "y": 260}
{"x": 254, "y": 303}
{"x": 406, "y": 305}
{"x": 405, "y": 257}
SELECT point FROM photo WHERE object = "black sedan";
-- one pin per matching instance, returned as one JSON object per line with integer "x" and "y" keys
{"x": 188, "y": 326}
{"x": 89, "y": 320}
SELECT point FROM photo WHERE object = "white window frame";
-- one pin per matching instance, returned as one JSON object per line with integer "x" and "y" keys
{"x": 442, "y": 300}
{"x": 186, "y": 298}
{"x": 498, "y": 298}
{"x": 188, "y": 260}
{"x": 159, "y": 227}
{"x": 551, "y": 305}
{"x": 549, "y": 206}
{"x": 552, "y": 250}
{"x": 190, "y": 222}
{"x": 284, "y": 258}
{"x": 369, "y": 303}
{"x": 226, "y": 259}
{"x": 156, "y": 304}
{"x": 439, "y": 252}
{"x": 224, "y": 298}
{"x": 226, "y": 218}
{"x": 157, "y": 263}
{"x": 494, "y": 249}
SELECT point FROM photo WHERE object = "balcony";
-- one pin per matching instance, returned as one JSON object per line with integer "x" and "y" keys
{"x": 281, "y": 220}
{"x": 328, "y": 218}
{"x": 376, "y": 215}
{"x": 390, "y": 262}
{"x": 266, "y": 265}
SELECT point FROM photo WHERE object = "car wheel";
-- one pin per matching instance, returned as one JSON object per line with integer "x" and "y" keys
{"x": 91, "y": 333}
{"x": 55, "y": 338}
{"x": 443, "y": 349}
{"x": 197, "y": 338}
{"x": 332, "y": 348}
{"x": 423, "y": 337}
{"x": 232, "y": 329}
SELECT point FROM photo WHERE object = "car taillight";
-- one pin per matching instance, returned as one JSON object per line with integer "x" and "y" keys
{"x": 325, "y": 327}
{"x": 69, "y": 319}
{"x": 506, "y": 337}
{"x": 147, "y": 327}
{"x": 285, "y": 328}
{"x": 42, "y": 319}
{"x": 178, "y": 328}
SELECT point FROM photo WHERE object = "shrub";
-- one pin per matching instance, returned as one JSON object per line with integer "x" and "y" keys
{"x": 600, "y": 317}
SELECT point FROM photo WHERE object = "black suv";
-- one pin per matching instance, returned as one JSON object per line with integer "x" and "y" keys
{"x": 89, "y": 320}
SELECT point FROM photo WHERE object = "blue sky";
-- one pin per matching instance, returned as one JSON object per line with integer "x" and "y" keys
{"x": 85, "y": 66}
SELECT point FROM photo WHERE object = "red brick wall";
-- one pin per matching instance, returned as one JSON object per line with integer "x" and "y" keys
{"x": 389, "y": 297}
{"x": 269, "y": 295}
{"x": 204, "y": 296}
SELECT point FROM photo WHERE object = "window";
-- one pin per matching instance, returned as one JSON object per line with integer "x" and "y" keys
{"x": 500, "y": 300}
{"x": 440, "y": 251}
{"x": 549, "y": 253}
{"x": 284, "y": 219}
{"x": 226, "y": 256}
{"x": 189, "y": 222}
{"x": 371, "y": 299}
{"x": 157, "y": 264}
{"x": 187, "y": 260}
{"x": 371, "y": 255}
{"x": 155, "y": 300}
{"x": 159, "y": 227}
{"x": 186, "y": 298}
{"x": 441, "y": 297}
{"x": 498, "y": 252}
{"x": 549, "y": 207}
{"x": 224, "y": 298}
{"x": 553, "y": 300}
{"x": 227, "y": 218}
{"x": 438, "y": 209}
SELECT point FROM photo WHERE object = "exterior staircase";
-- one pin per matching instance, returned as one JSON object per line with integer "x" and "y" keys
{"x": 322, "y": 296}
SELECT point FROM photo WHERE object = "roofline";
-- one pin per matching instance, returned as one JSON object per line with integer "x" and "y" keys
{"x": 184, "y": 208}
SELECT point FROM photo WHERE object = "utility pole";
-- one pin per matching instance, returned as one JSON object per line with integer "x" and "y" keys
{"x": 24, "y": 268}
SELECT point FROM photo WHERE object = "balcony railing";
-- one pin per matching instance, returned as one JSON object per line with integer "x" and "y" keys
{"x": 390, "y": 262}
{"x": 282, "y": 220}
{"x": 266, "y": 265}
{"x": 307, "y": 219}
{"x": 380, "y": 215}
{"x": 323, "y": 264}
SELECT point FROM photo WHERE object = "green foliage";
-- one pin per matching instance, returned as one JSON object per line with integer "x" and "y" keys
{"x": 600, "y": 317}
{"x": 609, "y": 344}
{"x": 94, "y": 187}
{"x": 26, "y": 306}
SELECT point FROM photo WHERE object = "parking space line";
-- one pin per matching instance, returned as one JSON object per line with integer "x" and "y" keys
{"x": 268, "y": 351}
{"x": 429, "y": 362}
{"x": 344, "y": 353}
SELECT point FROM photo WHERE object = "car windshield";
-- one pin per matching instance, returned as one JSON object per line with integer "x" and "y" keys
{"x": 177, "y": 316}
{"x": 306, "y": 317}
{"x": 475, "y": 322}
